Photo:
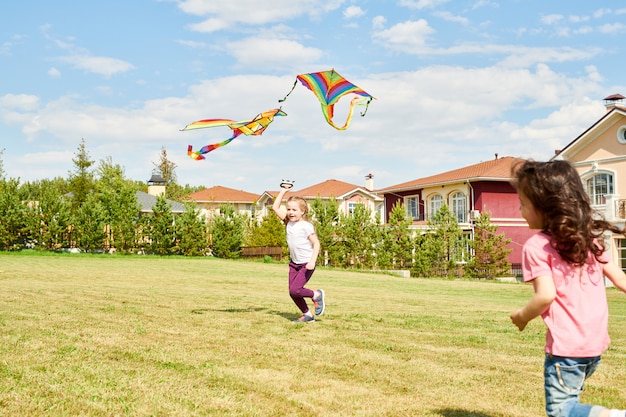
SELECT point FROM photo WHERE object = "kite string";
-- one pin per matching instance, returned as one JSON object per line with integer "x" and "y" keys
{"x": 367, "y": 105}
{"x": 290, "y": 91}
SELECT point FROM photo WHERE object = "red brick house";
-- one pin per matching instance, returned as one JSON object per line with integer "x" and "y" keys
{"x": 467, "y": 191}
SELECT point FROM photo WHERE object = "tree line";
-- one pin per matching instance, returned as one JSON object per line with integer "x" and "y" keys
{"x": 96, "y": 210}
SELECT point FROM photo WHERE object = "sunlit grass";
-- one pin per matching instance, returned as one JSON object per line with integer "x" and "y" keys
{"x": 147, "y": 336}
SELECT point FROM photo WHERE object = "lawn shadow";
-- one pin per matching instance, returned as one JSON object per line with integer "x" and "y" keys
{"x": 286, "y": 316}
{"x": 227, "y": 310}
{"x": 457, "y": 412}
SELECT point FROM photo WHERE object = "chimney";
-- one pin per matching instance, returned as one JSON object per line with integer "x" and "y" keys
{"x": 614, "y": 100}
{"x": 156, "y": 184}
{"x": 369, "y": 182}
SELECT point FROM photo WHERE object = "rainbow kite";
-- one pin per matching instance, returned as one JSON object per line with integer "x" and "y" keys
{"x": 329, "y": 87}
{"x": 255, "y": 127}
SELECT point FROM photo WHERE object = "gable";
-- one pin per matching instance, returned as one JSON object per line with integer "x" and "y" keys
{"x": 599, "y": 142}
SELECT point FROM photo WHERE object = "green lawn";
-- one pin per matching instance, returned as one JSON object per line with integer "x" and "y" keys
{"x": 146, "y": 336}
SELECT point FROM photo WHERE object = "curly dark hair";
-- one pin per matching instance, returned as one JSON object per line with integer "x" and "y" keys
{"x": 555, "y": 189}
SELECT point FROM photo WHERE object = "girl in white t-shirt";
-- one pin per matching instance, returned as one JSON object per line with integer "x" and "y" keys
{"x": 304, "y": 247}
{"x": 566, "y": 262}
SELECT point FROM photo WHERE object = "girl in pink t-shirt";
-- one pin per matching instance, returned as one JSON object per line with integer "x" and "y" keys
{"x": 566, "y": 263}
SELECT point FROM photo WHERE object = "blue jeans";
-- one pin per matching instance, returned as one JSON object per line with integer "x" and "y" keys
{"x": 564, "y": 381}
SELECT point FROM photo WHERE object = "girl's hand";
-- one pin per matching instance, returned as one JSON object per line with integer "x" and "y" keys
{"x": 286, "y": 184}
{"x": 518, "y": 320}
{"x": 310, "y": 265}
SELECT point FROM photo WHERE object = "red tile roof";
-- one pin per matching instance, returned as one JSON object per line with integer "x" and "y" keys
{"x": 495, "y": 169}
{"x": 224, "y": 194}
{"x": 329, "y": 188}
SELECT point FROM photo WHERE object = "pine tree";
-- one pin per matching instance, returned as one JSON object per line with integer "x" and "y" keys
{"x": 490, "y": 258}
{"x": 227, "y": 233}
{"x": 81, "y": 180}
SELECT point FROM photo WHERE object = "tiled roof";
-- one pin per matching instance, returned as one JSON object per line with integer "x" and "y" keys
{"x": 223, "y": 194}
{"x": 147, "y": 201}
{"x": 326, "y": 189}
{"x": 495, "y": 169}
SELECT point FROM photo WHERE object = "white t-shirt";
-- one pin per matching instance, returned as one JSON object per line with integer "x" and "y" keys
{"x": 300, "y": 247}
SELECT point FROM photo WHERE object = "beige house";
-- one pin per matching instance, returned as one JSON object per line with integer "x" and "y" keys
{"x": 599, "y": 155}
{"x": 209, "y": 200}
{"x": 347, "y": 195}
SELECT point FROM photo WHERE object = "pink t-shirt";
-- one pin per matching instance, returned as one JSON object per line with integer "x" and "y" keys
{"x": 577, "y": 319}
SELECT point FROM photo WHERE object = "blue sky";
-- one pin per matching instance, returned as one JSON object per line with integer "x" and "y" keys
{"x": 455, "y": 83}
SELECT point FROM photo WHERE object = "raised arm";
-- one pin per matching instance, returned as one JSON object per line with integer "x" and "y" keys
{"x": 278, "y": 208}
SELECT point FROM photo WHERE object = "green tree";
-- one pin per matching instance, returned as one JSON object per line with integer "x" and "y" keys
{"x": 227, "y": 233}
{"x": 53, "y": 213}
{"x": 2, "y": 173}
{"x": 358, "y": 232}
{"x": 161, "y": 227}
{"x": 81, "y": 180}
{"x": 441, "y": 247}
{"x": 397, "y": 246}
{"x": 269, "y": 231}
{"x": 90, "y": 221}
{"x": 191, "y": 232}
{"x": 490, "y": 258}
{"x": 119, "y": 200}
{"x": 325, "y": 217}
{"x": 14, "y": 215}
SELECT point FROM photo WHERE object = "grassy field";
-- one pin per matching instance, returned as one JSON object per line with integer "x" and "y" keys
{"x": 146, "y": 336}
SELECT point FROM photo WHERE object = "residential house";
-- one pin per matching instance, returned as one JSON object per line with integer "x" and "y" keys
{"x": 347, "y": 195}
{"x": 599, "y": 155}
{"x": 156, "y": 188}
{"x": 209, "y": 200}
{"x": 468, "y": 192}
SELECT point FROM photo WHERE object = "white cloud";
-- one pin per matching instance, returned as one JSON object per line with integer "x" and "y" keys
{"x": 421, "y": 4}
{"x": 452, "y": 18}
{"x": 266, "y": 53}
{"x": 408, "y": 36}
{"x": 21, "y": 102}
{"x": 551, "y": 19}
{"x": 379, "y": 22}
{"x": 352, "y": 12}
{"x": 227, "y": 14}
{"x": 101, "y": 65}
{"x": 54, "y": 73}
{"x": 612, "y": 28}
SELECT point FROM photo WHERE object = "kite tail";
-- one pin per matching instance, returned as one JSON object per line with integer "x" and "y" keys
{"x": 194, "y": 155}
{"x": 330, "y": 110}
{"x": 290, "y": 91}
{"x": 198, "y": 155}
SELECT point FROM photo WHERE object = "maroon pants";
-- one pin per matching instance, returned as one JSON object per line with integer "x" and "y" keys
{"x": 298, "y": 277}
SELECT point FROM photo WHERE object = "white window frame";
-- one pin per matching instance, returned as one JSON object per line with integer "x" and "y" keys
{"x": 592, "y": 184}
{"x": 459, "y": 206}
{"x": 412, "y": 205}
{"x": 435, "y": 203}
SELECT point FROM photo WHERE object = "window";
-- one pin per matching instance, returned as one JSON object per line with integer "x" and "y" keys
{"x": 621, "y": 253}
{"x": 413, "y": 207}
{"x": 598, "y": 187}
{"x": 352, "y": 207}
{"x": 436, "y": 202}
{"x": 459, "y": 204}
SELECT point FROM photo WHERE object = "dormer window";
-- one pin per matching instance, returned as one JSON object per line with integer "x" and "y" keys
{"x": 598, "y": 187}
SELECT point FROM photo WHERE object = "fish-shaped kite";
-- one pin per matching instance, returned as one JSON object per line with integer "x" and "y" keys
{"x": 254, "y": 126}
{"x": 329, "y": 87}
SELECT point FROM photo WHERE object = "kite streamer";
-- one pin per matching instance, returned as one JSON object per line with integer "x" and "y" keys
{"x": 329, "y": 87}
{"x": 254, "y": 127}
